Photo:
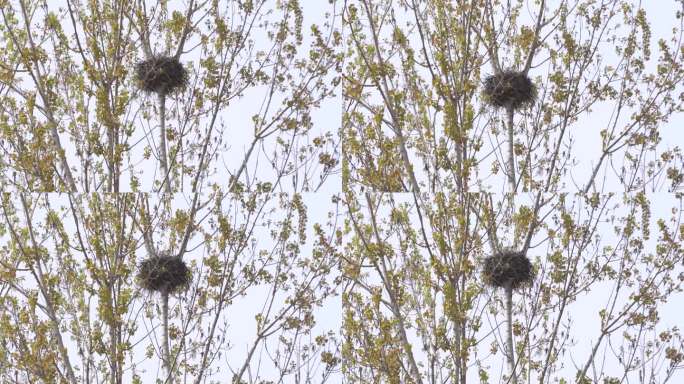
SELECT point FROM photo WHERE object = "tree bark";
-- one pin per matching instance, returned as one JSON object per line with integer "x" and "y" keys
{"x": 511, "y": 153}
{"x": 509, "y": 334}
{"x": 163, "y": 157}
{"x": 166, "y": 355}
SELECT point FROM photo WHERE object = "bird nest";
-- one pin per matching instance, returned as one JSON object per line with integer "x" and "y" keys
{"x": 164, "y": 274}
{"x": 509, "y": 89}
{"x": 508, "y": 267}
{"x": 161, "y": 74}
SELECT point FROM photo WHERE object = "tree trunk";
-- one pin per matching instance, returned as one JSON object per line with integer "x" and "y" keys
{"x": 509, "y": 334}
{"x": 166, "y": 355}
{"x": 511, "y": 154}
{"x": 163, "y": 157}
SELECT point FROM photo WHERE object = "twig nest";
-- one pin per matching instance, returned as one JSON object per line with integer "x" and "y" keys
{"x": 164, "y": 274}
{"x": 508, "y": 267}
{"x": 161, "y": 75}
{"x": 509, "y": 89}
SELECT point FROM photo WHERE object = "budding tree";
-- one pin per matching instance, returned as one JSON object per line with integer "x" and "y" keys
{"x": 522, "y": 128}
{"x": 154, "y": 96}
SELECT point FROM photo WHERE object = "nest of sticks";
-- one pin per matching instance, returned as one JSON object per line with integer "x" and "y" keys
{"x": 508, "y": 267}
{"x": 164, "y": 274}
{"x": 509, "y": 89}
{"x": 161, "y": 75}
